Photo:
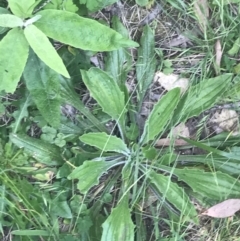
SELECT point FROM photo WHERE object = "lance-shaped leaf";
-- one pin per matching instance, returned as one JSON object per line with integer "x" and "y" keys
{"x": 119, "y": 225}
{"x": 79, "y": 32}
{"x": 174, "y": 194}
{"x": 10, "y": 21}
{"x": 201, "y": 97}
{"x": 44, "y": 49}
{"x": 105, "y": 142}
{"x": 89, "y": 173}
{"x": 12, "y": 63}
{"x": 146, "y": 63}
{"x": 214, "y": 185}
{"x": 69, "y": 96}
{"x": 21, "y": 112}
{"x": 44, "y": 86}
{"x": 104, "y": 89}
{"x": 22, "y": 8}
{"x": 119, "y": 62}
{"x": 216, "y": 162}
{"x": 160, "y": 115}
{"x": 41, "y": 151}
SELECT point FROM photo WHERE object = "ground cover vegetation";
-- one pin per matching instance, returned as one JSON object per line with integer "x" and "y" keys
{"x": 119, "y": 120}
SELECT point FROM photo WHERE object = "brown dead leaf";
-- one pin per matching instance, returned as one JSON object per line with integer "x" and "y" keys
{"x": 219, "y": 52}
{"x": 226, "y": 120}
{"x": 224, "y": 209}
{"x": 179, "y": 130}
{"x": 171, "y": 81}
{"x": 201, "y": 10}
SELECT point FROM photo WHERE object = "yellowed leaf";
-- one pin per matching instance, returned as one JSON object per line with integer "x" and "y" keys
{"x": 224, "y": 209}
{"x": 171, "y": 81}
{"x": 218, "y": 51}
{"x": 201, "y": 10}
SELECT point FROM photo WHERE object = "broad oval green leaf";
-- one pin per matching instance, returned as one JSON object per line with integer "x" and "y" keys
{"x": 10, "y": 21}
{"x": 41, "y": 151}
{"x": 44, "y": 49}
{"x": 43, "y": 84}
{"x": 22, "y": 8}
{"x": 11, "y": 68}
{"x": 104, "y": 89}
{"x": 79, "y": 32}
{"x": 146, "y": 63}
{"x": 215, "y": 185}
{"x": 174, "y": 194}
{"x": 89, "y": 173}
{"x": 160, "y": 115}
{"x": 119, "y": 225}
{"x": 105, "y": 142}
{"x": 3, "y": 11}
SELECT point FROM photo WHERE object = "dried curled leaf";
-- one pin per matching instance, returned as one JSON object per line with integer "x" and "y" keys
{"x": 226, "y": 120}
{"x": 224, "y": 209}
{"x": 171, "y": 81}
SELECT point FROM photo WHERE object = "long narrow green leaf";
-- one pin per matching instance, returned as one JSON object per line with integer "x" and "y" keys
{"x": 160, "y": 115}
{"x": 40, "y": 150}
{"x": 28, "y": 232}
{"x": 105, "y": 142}
{"x": 119, "y": 225}
{"x": 44, "y": 86}
{"x": 10, "y": 21}
{"x": 105, "y": 91}
{"x": 11, "y": 68}
{"x": 119, "y": 62}
{"x": 214, "y": 185}
{"x": 174, "y": 194}
{"x": 21, "y": 113}
{"x": 79, "y": 32}
{"x": 69, "y": 96}
{"x": 89, "y": 173}
{"x": 146, "y": 63}
{"x": 201, "y": 97}
{"x": 216, "y": 162}
{"x": 230, "y": 155}
{"x": 44, "y": 49}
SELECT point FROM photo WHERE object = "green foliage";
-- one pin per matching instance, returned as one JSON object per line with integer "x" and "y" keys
{"x": 119, "y": 225}
{"x": 10, "y": 21}
{"x": 160, "y": 115}
{"x": 105, "y": 142}
{"x": 60, "y": 25}
{"x": 89, "y": 165}
{"x": 146, "y": 63}
{"x": 95, "y": 5}
{"x": 44, "y": 49}
{"x": 22, "y": 8}
{"x": 44, "y": 91}
{"x": 97, "y": 37}
{"x": 11, "y": 68}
